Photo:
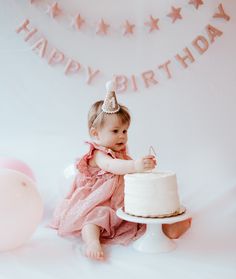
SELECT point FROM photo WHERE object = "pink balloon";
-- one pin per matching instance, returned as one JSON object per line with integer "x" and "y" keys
{"x": 21, "y": 209}
{"x": 17, "y": 165}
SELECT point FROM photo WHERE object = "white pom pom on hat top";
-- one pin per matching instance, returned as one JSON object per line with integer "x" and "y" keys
{"x": 110, "y": 86}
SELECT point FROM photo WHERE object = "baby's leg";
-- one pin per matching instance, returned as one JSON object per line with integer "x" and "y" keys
{"x": 91, "y": 235}
{"x": 175, "y": 230}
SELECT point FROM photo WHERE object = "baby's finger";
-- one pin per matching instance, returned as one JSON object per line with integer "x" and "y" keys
{"x": 149, "y": 161}
{"x": 149, "y": 157}
{"x": 149, "y": 167}
{"x": 149, "y": 164}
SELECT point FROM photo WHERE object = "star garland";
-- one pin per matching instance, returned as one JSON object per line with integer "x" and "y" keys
{"x": 128, "y": 28}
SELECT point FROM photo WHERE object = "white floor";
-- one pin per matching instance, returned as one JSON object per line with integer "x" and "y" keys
{"x": 200, "y": 253}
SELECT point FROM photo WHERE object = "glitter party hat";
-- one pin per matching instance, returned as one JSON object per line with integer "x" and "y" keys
{"x": 110, "y": 104}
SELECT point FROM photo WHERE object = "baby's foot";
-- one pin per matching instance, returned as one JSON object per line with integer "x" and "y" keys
{"x": 94, "y": 250}
{"x": 175, "y": 230}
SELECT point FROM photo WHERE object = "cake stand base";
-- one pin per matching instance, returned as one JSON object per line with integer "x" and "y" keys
{"x": 153, "y": 240}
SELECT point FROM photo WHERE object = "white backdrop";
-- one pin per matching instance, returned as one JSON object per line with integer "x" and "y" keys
{"x": 189, "y": 119}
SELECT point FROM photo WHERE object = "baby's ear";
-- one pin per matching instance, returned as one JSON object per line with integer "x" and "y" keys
{"x": 93, "y": 132}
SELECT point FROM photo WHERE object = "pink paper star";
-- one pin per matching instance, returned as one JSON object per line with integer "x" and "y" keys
{"x": 153, "y": 23}
{"x": 175, "y": 14}
{"x": 78, "y": 21}
{"x": 54, "y": 10}
{"x": 196, "y": 3}
{"x": 128, "y": 28}
{"x": 102, "y": 27}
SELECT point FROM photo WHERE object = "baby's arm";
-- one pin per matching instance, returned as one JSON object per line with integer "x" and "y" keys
{"x": 121, "y": 167}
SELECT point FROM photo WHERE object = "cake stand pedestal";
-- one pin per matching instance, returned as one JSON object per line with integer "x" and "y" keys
{"x": 153, "y": 240}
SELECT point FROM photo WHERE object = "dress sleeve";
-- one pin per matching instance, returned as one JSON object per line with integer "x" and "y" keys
{"x": 105, "y": 150}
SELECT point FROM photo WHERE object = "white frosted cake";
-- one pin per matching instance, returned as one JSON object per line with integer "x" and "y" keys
{"x": 153, "y": 194}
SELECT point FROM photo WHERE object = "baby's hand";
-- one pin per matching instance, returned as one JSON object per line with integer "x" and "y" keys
{"x": 146, "y": 163}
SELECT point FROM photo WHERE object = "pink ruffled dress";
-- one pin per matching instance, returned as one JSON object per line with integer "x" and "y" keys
{"x": 94, "y": 198}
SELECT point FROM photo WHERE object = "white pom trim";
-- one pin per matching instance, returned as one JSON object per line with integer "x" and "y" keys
{"x": 110, "y": 112}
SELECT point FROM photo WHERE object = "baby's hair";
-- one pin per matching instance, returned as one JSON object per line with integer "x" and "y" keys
{"x": 96, "y": 118}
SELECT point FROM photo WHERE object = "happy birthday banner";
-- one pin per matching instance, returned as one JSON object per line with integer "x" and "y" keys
{"x": 148, "y": 78}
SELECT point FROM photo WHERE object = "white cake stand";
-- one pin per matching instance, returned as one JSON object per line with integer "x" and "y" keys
{"x": 153, "y": 240}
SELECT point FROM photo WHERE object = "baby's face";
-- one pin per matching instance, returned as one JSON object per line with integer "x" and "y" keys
{"x": 113, "y": 134}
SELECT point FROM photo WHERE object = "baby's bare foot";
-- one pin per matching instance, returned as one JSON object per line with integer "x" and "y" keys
{"x": 94, "y": 251}
{"x": 175, "y": 230}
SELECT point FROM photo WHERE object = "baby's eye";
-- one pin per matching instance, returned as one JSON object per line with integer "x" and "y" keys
{"x": 115, "y": 131}
{"x": 125, "y": 132}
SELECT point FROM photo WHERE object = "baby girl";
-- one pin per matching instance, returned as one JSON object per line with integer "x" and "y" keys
{"x": 89, "y": 209}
